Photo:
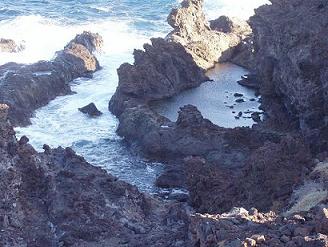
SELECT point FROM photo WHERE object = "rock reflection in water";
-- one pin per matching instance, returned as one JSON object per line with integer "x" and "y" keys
{"x": 223, "y": 100}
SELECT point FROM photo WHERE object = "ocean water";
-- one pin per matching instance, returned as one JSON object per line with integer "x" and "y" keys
{"x": 45, "y": 26}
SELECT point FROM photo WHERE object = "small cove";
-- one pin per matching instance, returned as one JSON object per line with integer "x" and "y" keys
{"x": 222, "y": 100}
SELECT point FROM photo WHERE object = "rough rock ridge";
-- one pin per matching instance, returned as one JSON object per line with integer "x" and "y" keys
{"x": 27, "y": 87}
{"x": 56, "y": 198}
{"x": 291, "y": 52}
{"x": 206, "y": 45}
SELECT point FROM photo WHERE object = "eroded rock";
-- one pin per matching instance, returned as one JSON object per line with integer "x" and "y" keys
{"x": 56, "y": 198}
{"x": 27, "y": 87}
{"x": 291, "y": 62}
{"x": 91, "y": 110}
{"x": 207, "y": 46}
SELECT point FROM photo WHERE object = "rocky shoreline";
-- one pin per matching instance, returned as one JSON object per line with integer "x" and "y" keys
{"x": 279, "y": 166}
{"x": 27, "y": 87}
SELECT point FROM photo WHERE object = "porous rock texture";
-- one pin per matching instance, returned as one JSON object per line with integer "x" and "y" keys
{"x": 242, "y": 228}
{"x": 56, "y": 198}
{"x": 206, "y": 45}
{"x": 291, "y": 52}
{"x": 27, "y": 87}
{"x": 236, "y": 162}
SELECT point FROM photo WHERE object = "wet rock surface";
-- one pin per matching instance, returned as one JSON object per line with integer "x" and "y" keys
{"x": 9, "y": 45}
{"x": 91, "y": 110}
{"x": 27, "y": 87}
{"x": 56, "y": 198}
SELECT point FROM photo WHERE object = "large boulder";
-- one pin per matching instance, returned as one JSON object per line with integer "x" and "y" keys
{"x": 27, "y": 87}
{"x": 91, "y": 110}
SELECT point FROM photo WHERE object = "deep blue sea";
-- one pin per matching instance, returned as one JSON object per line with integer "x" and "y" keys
{"x": 45, "y": 26}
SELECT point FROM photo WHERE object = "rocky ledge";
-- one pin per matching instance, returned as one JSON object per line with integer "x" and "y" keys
{"x": 27, "y": 87}
{"x": 290, "y": 50}
{"x": 56, "y": 198}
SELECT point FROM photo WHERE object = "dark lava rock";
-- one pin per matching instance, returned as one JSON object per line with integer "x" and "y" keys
{"x": 161, "y": 71}
{"x": 238, "y": 95}
{"x": 56, "y": 198}
{"x": 291, "y": 63}
{"x": 9, "y": 45}
{"x": 206, "y": 46}
{"x": 172, "y": 178}
{"x": 27, "y": 87}
{"x": 239, "y": 100}
{"x": 250, "y": 81}
{"x": 256, "y": 117}
{"x": 91, "y": 110}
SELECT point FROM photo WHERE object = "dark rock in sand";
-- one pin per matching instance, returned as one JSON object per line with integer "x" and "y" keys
{"x": 27, "y": 87}
{"x": 91, "y": 110}
{"x": 9, "y": 45}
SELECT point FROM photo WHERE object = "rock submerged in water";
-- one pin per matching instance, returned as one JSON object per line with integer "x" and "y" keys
{"x": 9, "y": 45}
{"x": 91, "y": 110}
{"x": 27, "y": 87}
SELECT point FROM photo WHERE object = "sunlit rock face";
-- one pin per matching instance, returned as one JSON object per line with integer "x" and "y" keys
{"x": 27, "y": 87}
{"x": 206, "y": 45}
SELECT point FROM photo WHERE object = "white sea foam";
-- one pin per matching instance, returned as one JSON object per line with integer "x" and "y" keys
{"x": 237, "y": 8}
{"x": 60, "y": 122}
{"x": 43, "y": 37}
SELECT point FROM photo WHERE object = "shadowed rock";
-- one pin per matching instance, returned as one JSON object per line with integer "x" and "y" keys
{"x": 91, "y": 110}
{"x": 27, "y": 87}
{"x": 56, "y": 198}
{"x": 291, "y": 61}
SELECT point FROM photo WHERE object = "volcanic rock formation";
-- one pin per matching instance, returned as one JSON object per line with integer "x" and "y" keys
{"x": 27, "y": 87}
{"x": 291, "y": 61}
{"x": 206, "y": 45}
{"x": 56, "y": 198}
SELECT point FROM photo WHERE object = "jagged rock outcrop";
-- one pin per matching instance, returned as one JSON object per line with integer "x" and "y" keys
{"x": 207, "y": 46}
{"x": 291, "y": 60}
{"x": 9, "y": 45}
{"x": 91, "y": 110}
{"x": 27, "y": 87}
{"x": 56, "y": 198}
{"x": 161, "y": 71}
